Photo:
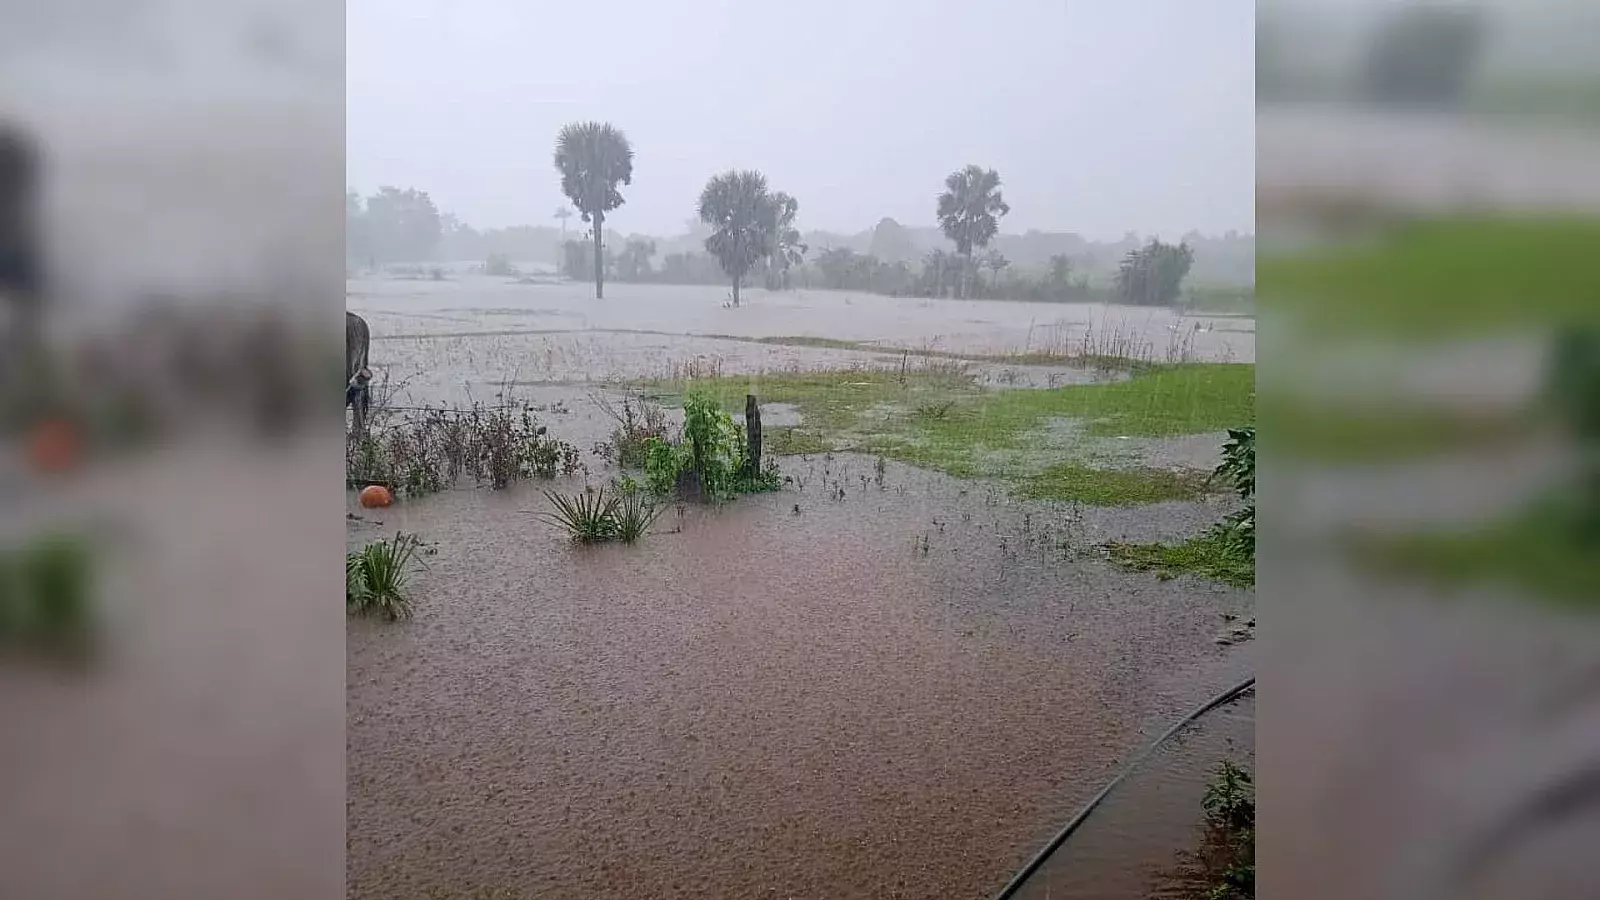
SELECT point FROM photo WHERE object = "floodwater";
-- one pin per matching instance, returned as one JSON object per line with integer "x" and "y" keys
{"x": 486, "y": 331}
{"x": 900, "y": 693}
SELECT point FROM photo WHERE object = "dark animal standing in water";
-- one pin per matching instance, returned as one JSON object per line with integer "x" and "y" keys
{"x": 357, "y": 393}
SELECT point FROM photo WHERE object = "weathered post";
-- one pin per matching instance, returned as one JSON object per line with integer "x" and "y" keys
{"x": 752, "y": 430}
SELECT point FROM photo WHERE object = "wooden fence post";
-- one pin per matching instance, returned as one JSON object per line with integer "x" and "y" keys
{"x": 752, "y": 430}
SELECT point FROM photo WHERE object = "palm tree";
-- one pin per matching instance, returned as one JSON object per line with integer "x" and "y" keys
{"x": 743, "y": 218}
{"x": 593, "y": 159}
{"x": 969, "y": 212}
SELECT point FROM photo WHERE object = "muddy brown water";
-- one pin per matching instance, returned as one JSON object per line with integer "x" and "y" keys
{"x": 758, "y": 702}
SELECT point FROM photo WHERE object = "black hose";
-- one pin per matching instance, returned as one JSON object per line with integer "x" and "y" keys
{"x": 1017, "y": 881}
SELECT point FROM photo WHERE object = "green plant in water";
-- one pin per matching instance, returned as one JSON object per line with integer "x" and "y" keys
{"x": 1239, "y": 466}
{"x": 46, "y": 590}
{"x": 1230, "y": 799}
{"x": 635, "y": 512}
{"x": 588, "y": 517}
{"x": 1230, "y": 807}
{"x": 663, "y": 462}
{"x": 715, "y": 444}
{"x": 376, "y": 577}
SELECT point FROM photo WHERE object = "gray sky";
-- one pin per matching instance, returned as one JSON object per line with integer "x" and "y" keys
{"x": 1101, "y": 117}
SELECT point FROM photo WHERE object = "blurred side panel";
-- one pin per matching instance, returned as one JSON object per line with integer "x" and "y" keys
{"x": 1429, "y": 213}
{"x": 171, "y": 649}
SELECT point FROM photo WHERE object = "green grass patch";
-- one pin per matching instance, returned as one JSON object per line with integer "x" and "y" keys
{"x": 795, "y": 442}
{"x": 1340, "y": 434}
{"x": 1443, "y": 277}
{"x": 1211, "y": 555}
{"x": 1113, "y": 487}
{"x": 1544, "y": 550}
{"x": 943, "y": 421}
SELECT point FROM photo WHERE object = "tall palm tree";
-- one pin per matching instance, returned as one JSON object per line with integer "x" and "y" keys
{"x": 969, "y": 212}
{"x": 743, "y": 218}
{"x": 593, "y": 159}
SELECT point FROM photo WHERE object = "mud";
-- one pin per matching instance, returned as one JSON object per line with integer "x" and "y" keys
{"x": 896, "y": 694}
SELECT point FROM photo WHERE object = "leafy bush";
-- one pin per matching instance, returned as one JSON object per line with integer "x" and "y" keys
{"x": 638, "y": 423}
{"x": 1239, "y": 466}
{"x": 1230, "y": 799}
{"x": 715, "y": 443}
{"x": 663, "y": 462}
{"x": 376, "y": 577}
{"x": 711, "y": 462}
{"x": 1230, "y": 806}
{"x": 429, "y": 450}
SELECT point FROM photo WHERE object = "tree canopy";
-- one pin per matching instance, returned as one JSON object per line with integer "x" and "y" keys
{"x": 1152, "y": 274}
{"x": 744, "y": 219}
{"x": 970, "y": 209}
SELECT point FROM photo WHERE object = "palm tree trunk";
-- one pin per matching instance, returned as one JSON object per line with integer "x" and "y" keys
{"x": 599, "y": 258}
{"x": 736, "y": 290}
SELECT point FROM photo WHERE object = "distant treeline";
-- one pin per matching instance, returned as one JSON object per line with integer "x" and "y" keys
{"x": 1150, "y": 274}
{"x": 395, "y": 226}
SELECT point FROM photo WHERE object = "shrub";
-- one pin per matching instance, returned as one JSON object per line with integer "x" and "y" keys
{"x": 429, "y": 450}
{"x": 1239, "y": 466}
{"x": 376, "y": 577}
{"x": 1230, "y": 799}
{"x": 638, "y": 423}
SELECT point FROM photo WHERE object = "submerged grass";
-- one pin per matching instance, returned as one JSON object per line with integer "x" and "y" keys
{"x": 1113, "y": 487}
{"x": 1211, "y": 554}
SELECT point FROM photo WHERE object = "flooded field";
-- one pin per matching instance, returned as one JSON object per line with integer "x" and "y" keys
{"x": 484, "y": 330}
{"x": 880, "y": 681}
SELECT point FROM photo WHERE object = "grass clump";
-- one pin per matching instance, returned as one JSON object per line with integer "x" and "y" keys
{"x": 1226, "y": 551}
{"x": 46, "y": 592}
{"x": 588, "y": 517}
{"x": 377, "y": 577}
{"x": 595, "y": 516}
{"x": 1212, "y": 554}
{"x": 1112, "y": 487}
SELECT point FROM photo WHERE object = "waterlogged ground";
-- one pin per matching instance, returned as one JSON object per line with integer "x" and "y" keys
{"x": 878, "y": 682}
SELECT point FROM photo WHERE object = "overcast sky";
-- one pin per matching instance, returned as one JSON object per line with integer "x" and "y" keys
{"x": 1102, "y": 117}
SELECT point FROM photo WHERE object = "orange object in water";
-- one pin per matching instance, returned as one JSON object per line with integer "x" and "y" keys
{"x": 376, "y": 495}
{"x": 54, "y": 446}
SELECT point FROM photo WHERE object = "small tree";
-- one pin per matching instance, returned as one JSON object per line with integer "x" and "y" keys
{"x": 789, "y": 251}
{"x": 633, "y": 263}
{"x": 1153, "y": 274}
{"x": 969, "y": 213}
{"x": 593, "y": 159}
{"x": 743, "y": 217}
